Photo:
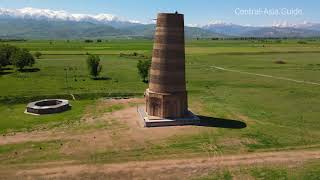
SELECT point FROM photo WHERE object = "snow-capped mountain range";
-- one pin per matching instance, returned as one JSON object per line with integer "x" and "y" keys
{"x": 60, "y": 15}
{"x": 65, "y": 22}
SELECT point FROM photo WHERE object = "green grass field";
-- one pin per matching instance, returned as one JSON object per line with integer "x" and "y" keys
{"x": 310, "y": 171}
{"x": 279, "y": 114}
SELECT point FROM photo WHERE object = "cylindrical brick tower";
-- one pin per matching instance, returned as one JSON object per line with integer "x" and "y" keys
{"x": 167, "y": 95}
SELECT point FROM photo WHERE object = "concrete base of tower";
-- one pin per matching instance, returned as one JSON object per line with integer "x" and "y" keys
{"x": 154, "y": 121}
{"x": 166, "y": 105}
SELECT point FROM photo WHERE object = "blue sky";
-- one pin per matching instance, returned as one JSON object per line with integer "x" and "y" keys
{"x": 196, "y": 11}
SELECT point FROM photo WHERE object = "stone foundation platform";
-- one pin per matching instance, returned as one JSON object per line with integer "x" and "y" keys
{"x": 153, "y": 121}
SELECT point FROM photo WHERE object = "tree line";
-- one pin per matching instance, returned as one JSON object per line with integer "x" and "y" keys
{"x": 20, "y": 58}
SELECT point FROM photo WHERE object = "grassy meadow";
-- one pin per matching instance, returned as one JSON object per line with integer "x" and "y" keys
{"x": 279, "y": 114}
{"x": 308, "y": 171}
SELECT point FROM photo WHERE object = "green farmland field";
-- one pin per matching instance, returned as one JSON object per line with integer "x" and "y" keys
{"x": 238, "y": 80}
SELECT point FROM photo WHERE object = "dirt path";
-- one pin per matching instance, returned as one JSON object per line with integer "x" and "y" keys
{"x": 268, "y": 76}
{"x": 167, "y": 169}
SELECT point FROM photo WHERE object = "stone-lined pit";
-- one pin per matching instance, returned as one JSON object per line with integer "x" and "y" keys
{"x": 48, "y": 106}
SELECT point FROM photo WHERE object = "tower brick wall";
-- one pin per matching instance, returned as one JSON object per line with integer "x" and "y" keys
{"x": 166, "y": 96}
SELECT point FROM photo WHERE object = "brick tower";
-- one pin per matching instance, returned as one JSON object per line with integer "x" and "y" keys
{"x": 166, "y": 96}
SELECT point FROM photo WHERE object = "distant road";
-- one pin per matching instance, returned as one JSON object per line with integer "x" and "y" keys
{"x": 158, "y": 169}
{"x": 268, "y": 76}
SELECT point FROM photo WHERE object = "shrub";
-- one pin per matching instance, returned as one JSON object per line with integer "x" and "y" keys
{"x": 302, "y": 42}
{"x": 143, "y": 69}
{"x": 280, "y": 62}
{"x": 38, "y": 54}
{"x": 22, "y": 58}
{"x": 278, "y": 41}
{"x": 88, "y": 41}
{"x": 94, "y": 66}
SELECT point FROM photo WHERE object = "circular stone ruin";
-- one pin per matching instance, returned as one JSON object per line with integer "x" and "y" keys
{"x": 48, "y": 106}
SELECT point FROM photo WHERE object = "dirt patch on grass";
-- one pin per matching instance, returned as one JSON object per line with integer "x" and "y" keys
{"x": 87, "y": 143}
{"x": 109, "y": 123}
{"x": 237, "y": 142}
{"x": 133, "y": 134}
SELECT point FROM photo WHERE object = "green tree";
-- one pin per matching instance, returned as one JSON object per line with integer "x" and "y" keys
{"x": 6, "y": 51}
{"x": 22, "y": 58}
{"x": 38, "y": 54}
{"x": 143, "y": 69}
{"x": 94, "y": 66}
{"x": 2, "y": 60}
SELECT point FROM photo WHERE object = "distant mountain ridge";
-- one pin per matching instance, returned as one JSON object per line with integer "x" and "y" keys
{"x": 32, "y": 23}
{"x": 43, "y": 29}
{"x": 277, "y": 30}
